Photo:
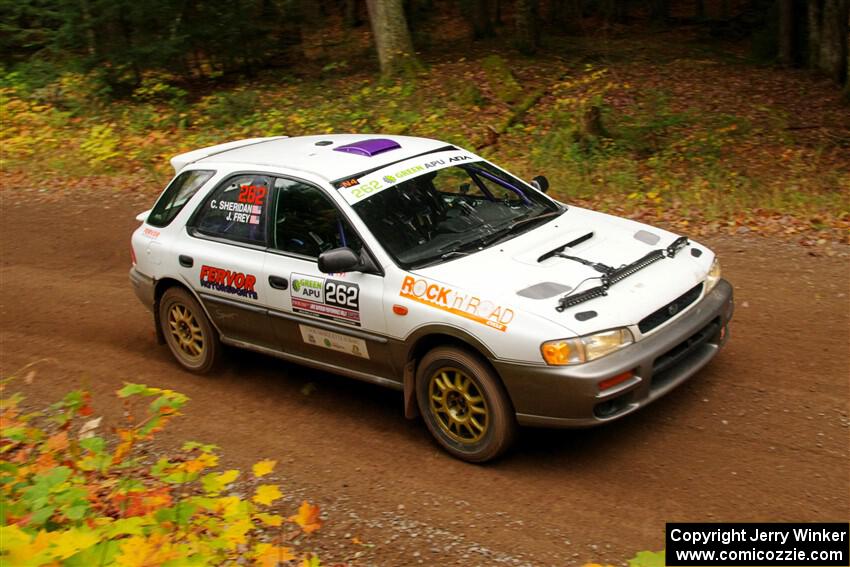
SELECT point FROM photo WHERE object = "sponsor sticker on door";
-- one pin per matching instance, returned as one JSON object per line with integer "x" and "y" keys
{"x": 228, "y": 281}
{"x": 325, "y": 297}
{"x": 334, "y": 341}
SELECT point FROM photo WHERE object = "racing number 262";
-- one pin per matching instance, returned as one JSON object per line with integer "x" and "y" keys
{"x": 342, "y": 294}
{"x": 252, "y": 194}
{"x": 361, "y": 192}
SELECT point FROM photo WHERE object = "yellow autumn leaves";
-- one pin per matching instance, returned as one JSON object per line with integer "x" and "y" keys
{"x": 89, "y": 504}
{"x": 266, "y": 494}
{"x": 263, "y": 468}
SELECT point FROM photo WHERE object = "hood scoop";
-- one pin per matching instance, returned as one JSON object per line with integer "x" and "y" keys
{"x": 570, "y": 244}
{"x": 543, "y": 290}
{"x": 369, "y": 148}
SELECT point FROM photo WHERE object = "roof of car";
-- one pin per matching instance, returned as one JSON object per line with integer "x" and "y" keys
{"x": 333, "y": 156}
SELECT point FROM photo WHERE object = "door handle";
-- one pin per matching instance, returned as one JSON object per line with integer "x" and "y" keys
{"x": 278, "y": 282}
{"x": 186, "y": 261}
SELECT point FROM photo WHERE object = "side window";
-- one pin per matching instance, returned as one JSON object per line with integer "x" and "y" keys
{"x": 237, "y": 210}
{"x": 178, "y": 192}
{"x": 307, "y": 223}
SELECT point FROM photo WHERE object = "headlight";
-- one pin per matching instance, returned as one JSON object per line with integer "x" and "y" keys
{"x": 584, "y": 349}
{"x": 713, "y": 275}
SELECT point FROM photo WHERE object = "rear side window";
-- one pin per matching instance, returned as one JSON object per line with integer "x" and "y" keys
{"x": 237, "y": 210}
{"x": 181, "y": 189}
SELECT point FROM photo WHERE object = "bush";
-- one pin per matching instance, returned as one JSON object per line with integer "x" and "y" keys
{"x": 73, "y": 497}
{"x": 501, "y": 80}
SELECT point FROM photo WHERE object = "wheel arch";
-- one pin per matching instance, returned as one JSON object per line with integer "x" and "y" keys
{"x": 426, "y": 339}
{"x": 163, "y": 285}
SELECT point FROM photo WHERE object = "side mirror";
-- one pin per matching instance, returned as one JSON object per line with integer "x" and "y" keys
{"x": 338, "y": 260}
{"x": 540, "y": 183}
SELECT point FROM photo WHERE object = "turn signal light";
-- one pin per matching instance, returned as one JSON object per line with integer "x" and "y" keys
{"x": 613, "y": 381}
{"x": 400, "y": 310}
{"x": 556, "y": 352}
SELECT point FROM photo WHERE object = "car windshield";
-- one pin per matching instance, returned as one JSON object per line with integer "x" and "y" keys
{"x": 440, "y": 210}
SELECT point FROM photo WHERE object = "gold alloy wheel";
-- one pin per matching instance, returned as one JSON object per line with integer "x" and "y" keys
{"x": 458, "y": 405}
{"x": 186, "y": 331}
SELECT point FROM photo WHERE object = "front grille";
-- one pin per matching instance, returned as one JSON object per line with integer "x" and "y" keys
{"x": 670, "y": 310}
{"x": 668, "y": 364}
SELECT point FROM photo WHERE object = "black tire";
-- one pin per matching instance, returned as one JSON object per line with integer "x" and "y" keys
{"x": 452, "y": 412}
{"x": 188, "y": 333}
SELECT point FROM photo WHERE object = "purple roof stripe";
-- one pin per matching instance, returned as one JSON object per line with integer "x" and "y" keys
{"x": 369, "y": 148}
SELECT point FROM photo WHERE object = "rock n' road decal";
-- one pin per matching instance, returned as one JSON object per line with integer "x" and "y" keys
{"x": 458, "y": 303}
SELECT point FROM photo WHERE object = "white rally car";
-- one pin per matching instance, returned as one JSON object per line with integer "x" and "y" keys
{"x": 418, "y": 265}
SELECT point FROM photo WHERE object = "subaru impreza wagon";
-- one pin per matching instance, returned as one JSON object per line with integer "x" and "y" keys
{"x": 417, "y": 265}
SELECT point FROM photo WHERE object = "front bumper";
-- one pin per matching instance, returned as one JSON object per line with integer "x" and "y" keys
{"x": 569, "y": 396}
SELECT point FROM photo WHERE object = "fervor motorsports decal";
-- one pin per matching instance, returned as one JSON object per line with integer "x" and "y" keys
{"x": 226, "y": 281}
{"x": 458, "y": 303}
{"x": 327, "y": 298}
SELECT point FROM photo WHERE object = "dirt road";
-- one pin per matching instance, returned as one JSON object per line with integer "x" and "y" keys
{"x": 761, "y": 434}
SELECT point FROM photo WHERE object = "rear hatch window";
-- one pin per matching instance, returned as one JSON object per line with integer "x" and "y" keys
{"x": 176, "y": 195}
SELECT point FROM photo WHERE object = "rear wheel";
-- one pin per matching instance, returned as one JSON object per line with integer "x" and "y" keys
{"x": 464, "y": 405}
{"x": 190, "y": 336}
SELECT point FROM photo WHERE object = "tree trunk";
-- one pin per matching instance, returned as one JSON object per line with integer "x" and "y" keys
{"x": 827, "y": 46}
{"x": 565, "y": 15}
{"x": 847, "y": 84}
{"x": 833, "y": 39}
{"x": 725, "y": 10}
{"x": 310, "y": 19}
{"x": 525, "y": 26}
{"x": 351, "y": 15}
{"x": 392, "y": 37}
{"x": 659, "y": 11}
{"x": 482, "y": 20}
{"x": 700, "y": 9}
{"x": 814, "y": 20}
{"x": 614, "y": 11}
{"x": 85, "y": 14}
{"x": 497, "y": 12}
{"x": 786, "y": 32}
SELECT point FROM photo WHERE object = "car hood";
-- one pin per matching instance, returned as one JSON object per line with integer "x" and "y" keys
{"x": 513, "y": 274}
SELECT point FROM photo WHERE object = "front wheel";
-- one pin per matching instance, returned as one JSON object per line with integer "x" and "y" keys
{"x": 190, "y": 336}
{"x": 464, "y": 405}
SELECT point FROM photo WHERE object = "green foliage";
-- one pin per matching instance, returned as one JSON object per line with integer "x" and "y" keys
{"x": 501, "y": 79}
{"x": 123, "y": 40}
{"x": 657, "y": 158}
{"x": 101, "y": 144}
{"x": 224, "y": 108}
{"x": 74, "y": 497}
{"x": 642, "y": 559}
{"x": 656, "y": 153}
{"x": 468, "y": 94}
{"x": 159, "y": 87}
{"x": 648, "y": 559}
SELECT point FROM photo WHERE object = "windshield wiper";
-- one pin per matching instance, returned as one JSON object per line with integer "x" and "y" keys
{"x": 525, "y": 219}
{"x": 500, "y": 234}
{"x": 441, "y": 258}
{"x": 486, "y": 240}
